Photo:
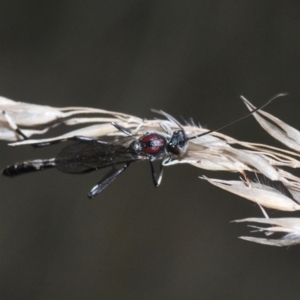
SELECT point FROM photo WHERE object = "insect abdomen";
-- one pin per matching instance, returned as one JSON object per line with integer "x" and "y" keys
{"x": 28, "y": 167}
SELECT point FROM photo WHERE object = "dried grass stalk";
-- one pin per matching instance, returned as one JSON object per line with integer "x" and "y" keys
{"x": 215, "y": 151}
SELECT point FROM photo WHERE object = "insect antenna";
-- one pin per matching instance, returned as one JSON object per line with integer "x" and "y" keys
{"x": 238, "y": 119}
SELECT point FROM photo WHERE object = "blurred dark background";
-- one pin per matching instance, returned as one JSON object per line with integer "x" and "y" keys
{"x": 189, "y": 58}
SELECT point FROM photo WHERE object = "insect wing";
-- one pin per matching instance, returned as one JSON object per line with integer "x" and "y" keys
{"x": 85, "y": 156}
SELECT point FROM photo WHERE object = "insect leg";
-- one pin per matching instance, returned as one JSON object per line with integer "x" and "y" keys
{"x": 28, "y": 166}
{"x": 106, "y": 180}
{"x": 156, "y": 180}
{"x": 14, "y": 126}
{"x": 122, "y": 129}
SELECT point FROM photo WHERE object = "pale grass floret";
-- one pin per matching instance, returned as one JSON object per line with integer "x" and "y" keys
{"x": 215, "y": 151}
{"x": 288, "y": 226}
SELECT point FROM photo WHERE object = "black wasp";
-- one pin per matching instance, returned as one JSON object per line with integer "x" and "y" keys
{"x": 84, "y": 154}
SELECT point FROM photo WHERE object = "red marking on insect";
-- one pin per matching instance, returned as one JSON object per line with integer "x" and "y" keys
{"x": 153, "y": 143}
